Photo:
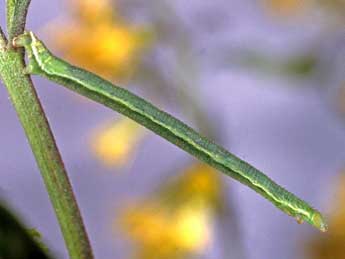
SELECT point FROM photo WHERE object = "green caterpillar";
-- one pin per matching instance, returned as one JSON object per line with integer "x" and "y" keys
{"x": 43, "y": 63}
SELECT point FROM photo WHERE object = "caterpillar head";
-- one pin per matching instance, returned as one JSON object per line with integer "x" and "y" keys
{"x": 318, "y": 221}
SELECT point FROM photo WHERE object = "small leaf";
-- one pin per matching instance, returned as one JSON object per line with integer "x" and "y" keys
{"x": 37, "y": 236}
{"x": 15, "y": 241}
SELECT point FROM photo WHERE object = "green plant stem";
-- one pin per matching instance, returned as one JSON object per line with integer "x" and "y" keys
{"x": 2, "y": 40}
{"x": 37, "y": 129}
{"x": 16, "y": 16}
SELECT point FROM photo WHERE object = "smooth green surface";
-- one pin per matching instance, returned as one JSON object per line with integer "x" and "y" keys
{"x": 42, "y": 62}
{"x": 37, "y": 129}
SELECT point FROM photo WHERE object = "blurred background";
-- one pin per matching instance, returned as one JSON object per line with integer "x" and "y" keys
{"x": 263, "y": 78}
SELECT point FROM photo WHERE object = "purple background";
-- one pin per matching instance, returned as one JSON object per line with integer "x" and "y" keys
{"x": 289, "y": 128}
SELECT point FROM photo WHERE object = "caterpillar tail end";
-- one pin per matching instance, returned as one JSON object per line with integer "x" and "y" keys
{"x": 29, "y": 41}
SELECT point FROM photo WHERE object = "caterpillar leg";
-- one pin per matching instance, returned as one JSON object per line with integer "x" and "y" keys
{"x": 299, "y": 219}
{"x": 32, "y": 67}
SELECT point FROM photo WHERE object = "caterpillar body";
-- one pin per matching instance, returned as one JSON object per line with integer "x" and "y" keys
{"x": 42, "y": 62}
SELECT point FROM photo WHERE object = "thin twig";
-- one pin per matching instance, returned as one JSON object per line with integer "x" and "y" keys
{"x": 37, "y": 129}
{"x": 28, "y": 107}
{"x": 16, "y": 17}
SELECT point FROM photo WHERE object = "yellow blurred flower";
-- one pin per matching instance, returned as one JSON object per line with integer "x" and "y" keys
{"x": 184, "y": 230}
{"x": 201, "y": 182}
{"x": 92, "y": 11}
{"x": 192, "y": 229}
{"x": 114, "y": 144}
{"x": 177, "y": 221}
{"x": 286, "y": 7}
{"x": 330, "y": 245}
{"x": 96, "y": 39}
